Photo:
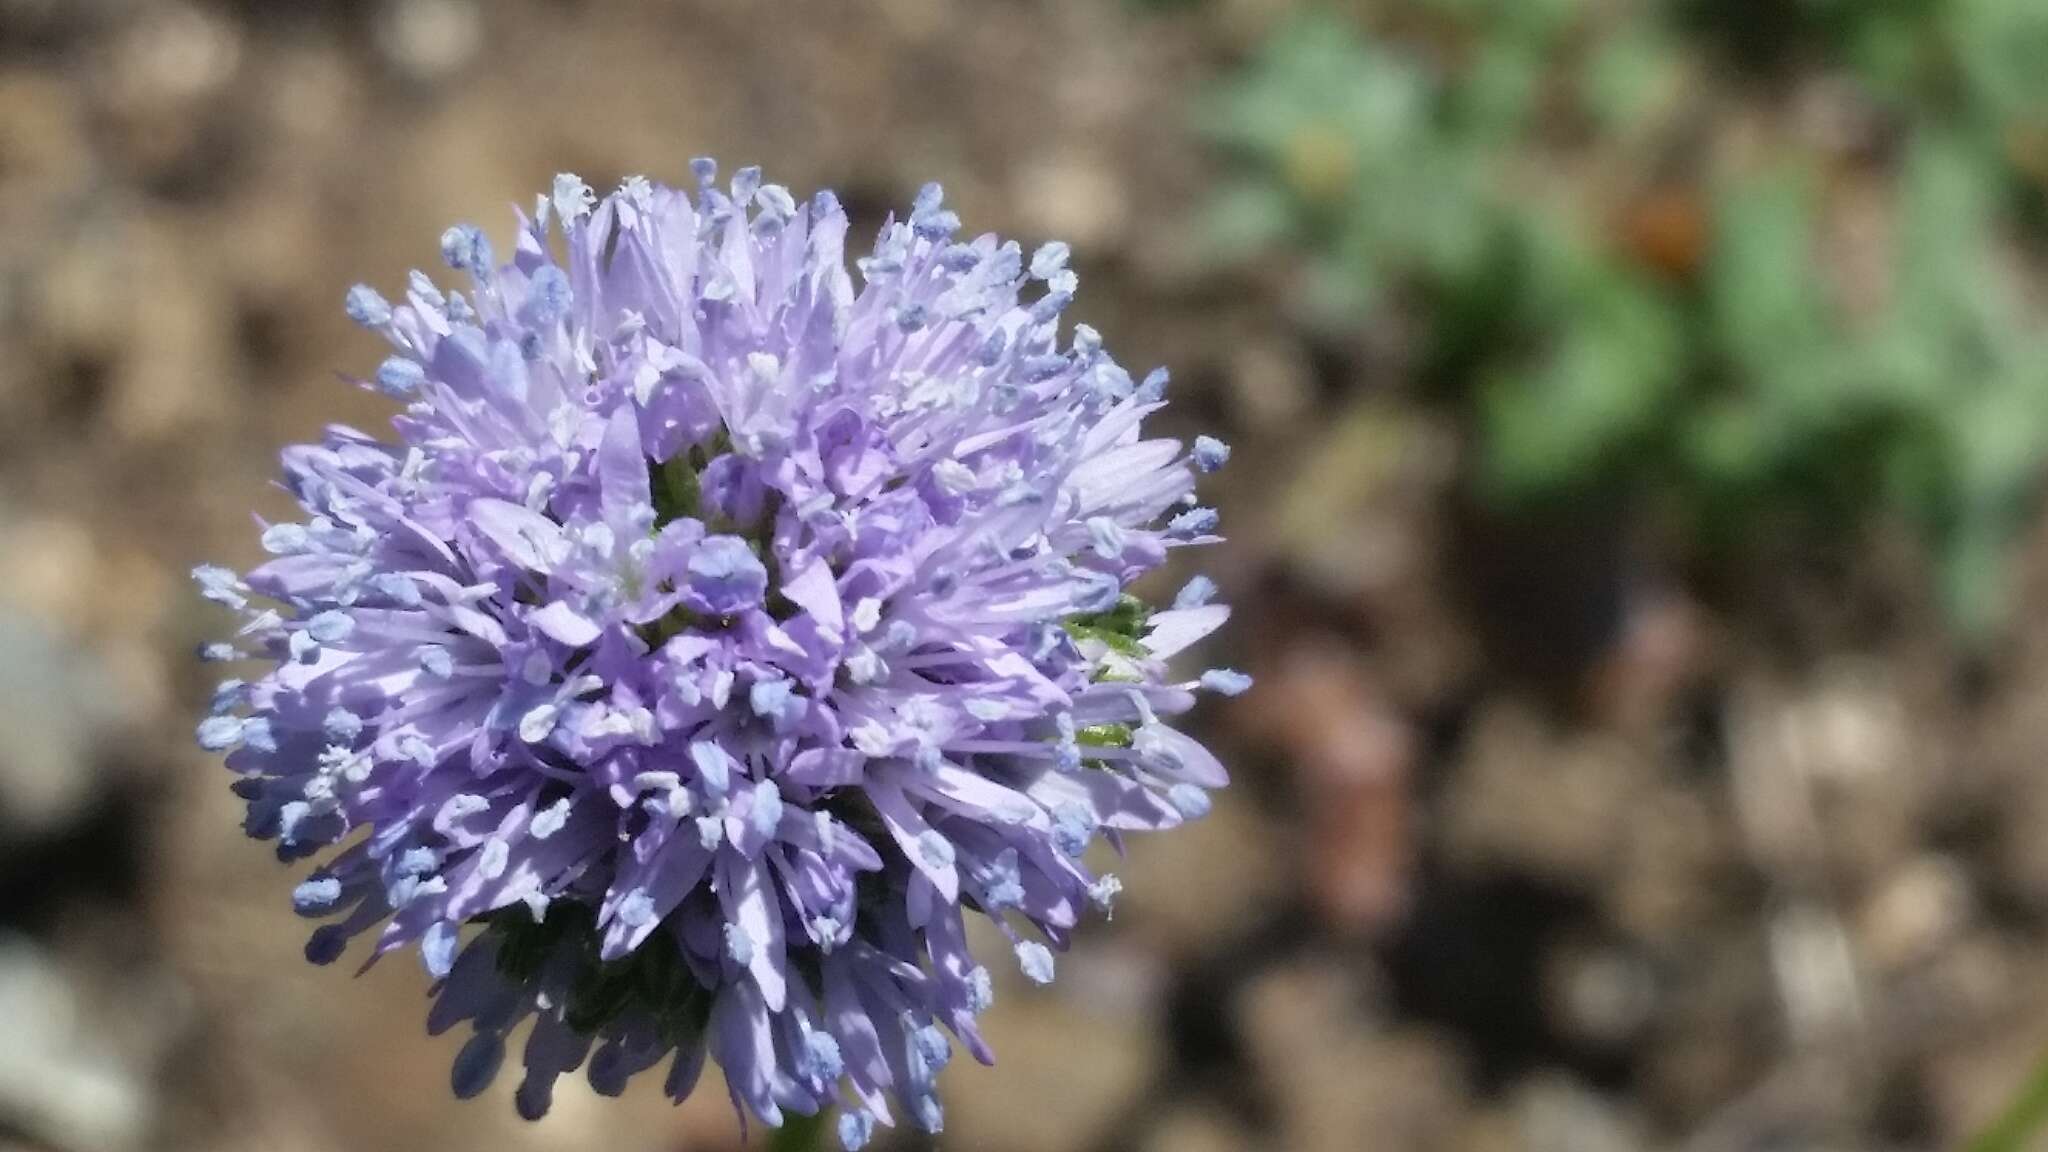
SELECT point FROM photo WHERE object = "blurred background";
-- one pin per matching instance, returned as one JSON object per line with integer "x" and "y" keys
{"x": 1641, "y": 414}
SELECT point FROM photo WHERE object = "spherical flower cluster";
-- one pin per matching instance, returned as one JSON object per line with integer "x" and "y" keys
{"x": 714, "y": 636}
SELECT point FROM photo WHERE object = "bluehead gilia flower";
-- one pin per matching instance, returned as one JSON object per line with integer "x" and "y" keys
{"x": 714, "y": 636}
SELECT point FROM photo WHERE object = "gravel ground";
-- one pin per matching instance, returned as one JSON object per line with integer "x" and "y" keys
{"x": 1524, "y": 854}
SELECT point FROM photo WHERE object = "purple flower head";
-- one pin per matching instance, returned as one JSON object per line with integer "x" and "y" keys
{"x": 718, "y": 631}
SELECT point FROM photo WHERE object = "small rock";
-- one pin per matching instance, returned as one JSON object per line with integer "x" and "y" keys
{"x": 1086, "y": 1064}
{"x": 428, "y": 41}
{"x": 1353, "y": 755}
{"x": 1601, "y": 995}
{"x": 1272, "y": 382}
{"x": 64, "y": 1080}
{"x": 1916, "y": 910}
{"x": 1816, "y": 975}
{"x": 164, "y": 88}
{"x": 1201, "y": 882}
{"x": 1075, "y": 197}
{"x": 56, "y": 714}
{"x": 1200, "y": 1128}
{"x": 1556, "y": 1113}
{"x": 1533, "y": 800}
{"x": 176, "y": 374}
{"x": 1335, "y": 1076}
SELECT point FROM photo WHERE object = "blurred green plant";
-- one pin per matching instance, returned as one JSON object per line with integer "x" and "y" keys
{"x": 1683, "y": 334}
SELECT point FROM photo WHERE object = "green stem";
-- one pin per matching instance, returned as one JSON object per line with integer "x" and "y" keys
{"x": 799, "y": 1134}
{"x": 2022, "y": 1118}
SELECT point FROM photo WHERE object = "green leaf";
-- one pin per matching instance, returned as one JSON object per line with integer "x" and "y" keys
{"x": 1631, "y": 75}
{"x": 1245, "y": 219}
{"x": 1762, "y": 287}
{"x": 1607, "y": 383}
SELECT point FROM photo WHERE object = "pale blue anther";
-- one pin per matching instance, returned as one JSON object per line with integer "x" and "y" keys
{"x": 400, "y": 377}
{"x": 218, "y": 652}
{"x": 705, "y": 169}
{"x": 637, "y": 909}
{"x": 548, "y": 297}
{"x": 958, "y": 258}
{"x": 1002, "y": 881}
{"x": 402, "y": 891}
{"x": 1194, "y": 522}
{"x": 936, "y": 226}
{"x": 773, "y": 700}
{"x": 465, "y": 248}
{"x": 572, "y": 198}
{"x": 437, "y": 949}
{"x": 777, "y": 206}
{"x": 417, "y": 750}
{"x": 220, "y": 733}
{"x": 738, "y": 945}
{"x": 936, "y": 850}
{"x": 1210, "y": 453}
{"x": 331, "y": 626}
{"x": 1195, "y": 593}
{"x": 316, "y": 895}
{"x": 1049, "y": 306}
{"x": 981, "y": 990}
{"x": 1191, "y": 802}
{"x": 458, "y": 808}
{"x": 1036, "y": 961}
{"x": 1152, "y": 388}
{"x": 931, "y": 1047}
{"x": 219, "y": 585}
{"x": 1103, "y": 891}
{"x": 228, "y": 696}
{"x": 1101, "y": 594}
{"x": 1226, "y": 681}
{"x": 1106, "y": 536}
{"x": 710, "y": 832}
{"x": 258, "y": 736}
{"x": 855, "y": 1130}
{"x": 1072, "y": 828}
{"x": 342, "y": 725}
{"x": 396, "y": 587}
{"x": 767, "y": 809}
{"x": 1039, "y": 369}
{"x": 549, "y": 820}
{"x": 897, "y": 636}
{"x": 289, "y": 817}
{"x": 1047, "y": 261}
{"x": 820, "y": 1061}
{"x": 367, "y": 307}
{"x": 285, "y": 539}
